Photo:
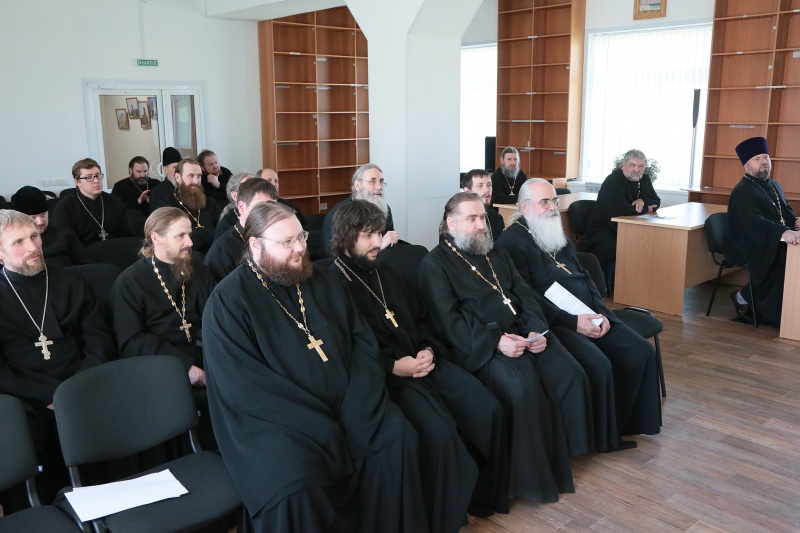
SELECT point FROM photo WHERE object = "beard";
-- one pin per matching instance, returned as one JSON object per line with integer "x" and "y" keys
{"x": 479, "y": 242}
{"x": 281, "y": 272}
{"x": 192, "y": 196}
{"x": 510, "y": 172}
{"x": 182, "y": 267}
{"x": 375, "y": 200}
{"x": 364, "y": 262}
{"x": 547, "y": 231}
{"x": 27, "y": 270}
{"x": 761, "y": 174}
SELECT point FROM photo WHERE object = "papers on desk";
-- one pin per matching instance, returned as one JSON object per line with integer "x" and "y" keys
{"x": 654, "y": 215}
{"x": 566, "y": 301}
{"x": 102, "y": 500}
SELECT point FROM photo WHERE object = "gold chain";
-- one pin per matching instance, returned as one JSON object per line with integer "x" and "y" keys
{"x": 239, "y": 232}
{"x": 196, "y": 219}
{"x": 777, "y": 197}
{"x": 304, "y": 325}
{"x": 382, "y": 300}
{"x": 182, "y": 311}
{"x": 497, "y": 287}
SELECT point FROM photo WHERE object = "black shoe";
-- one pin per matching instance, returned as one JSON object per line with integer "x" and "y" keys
{"x": 743, "y": 311}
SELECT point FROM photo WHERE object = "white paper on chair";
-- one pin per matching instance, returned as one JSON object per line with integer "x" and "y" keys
{"x": 102, "y": 500}
{"x": 566, "y": 301}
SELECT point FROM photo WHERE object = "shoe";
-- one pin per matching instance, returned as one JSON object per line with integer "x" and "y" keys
{"x": 743, "y": 311}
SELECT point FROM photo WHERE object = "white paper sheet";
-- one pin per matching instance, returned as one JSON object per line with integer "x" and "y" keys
{"x": 566, "y": 301}
{"x": 102, "y": 500}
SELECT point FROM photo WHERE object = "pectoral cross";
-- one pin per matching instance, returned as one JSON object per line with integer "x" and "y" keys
{"x": 315, "y": 344}
{"x": 390, "y": 316}
{"x": 562, "y": 266}
{"x": 185, "y": 328}
{"x": 507, "y": 301}
{"x": 43, "y": 344}
{"x": 103, "y": 234}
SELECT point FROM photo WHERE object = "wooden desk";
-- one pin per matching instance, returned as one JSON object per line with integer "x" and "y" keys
{"x": 506, "y": 210}
{"x": 657, "y": 258}
{"x": 790, "y": 313}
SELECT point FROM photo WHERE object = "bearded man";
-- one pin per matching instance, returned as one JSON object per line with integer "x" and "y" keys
{"x": 620, "y": 364}
{"x": 508, "y": 178}
{"x": 368, "y": 184}
{"x": 170, "y": 158}
{"x": 479, "y": 181}
{"x": 135, "y": 190}
{"x": 51, "y": 327}
{"x": 297, "y": 395}
{"x": 191, "y": 198}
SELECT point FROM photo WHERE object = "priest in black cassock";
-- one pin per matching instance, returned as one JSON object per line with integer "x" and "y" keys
{"x": 60, "y": 245}
{"x": 170, "y": 158}
{"x": 297, "y": 395}
{"x": 508, "y": 178}
{"x": 190, "y": 197}
{"x": 620, "y": 364}
{"x": 626, "y": 191}
{"x": 215, "y": 177}
{"x": 51, "y": 327}
{"x": 492, "y": 323}
{"x": 227, "y": 251}
{"x": 479, "y": 181}
{"x": 92, "y": 214}
{"x": 439, "y": 398}
{"x": 134, "y": 190}
{"x": 230, "y": 214}
{"x": 759, "y": 217}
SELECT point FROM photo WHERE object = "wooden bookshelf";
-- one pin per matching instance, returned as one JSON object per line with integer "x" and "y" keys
{"x": 314, "y": 104}
{"x": 753, "y": 90}
{"x": 539, "y": 84}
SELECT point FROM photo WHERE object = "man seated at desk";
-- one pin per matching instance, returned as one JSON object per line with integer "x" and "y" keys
{"x": 508, "y": 178}
{"x": 626, "y": 191}
{"x": 759, "y": 217}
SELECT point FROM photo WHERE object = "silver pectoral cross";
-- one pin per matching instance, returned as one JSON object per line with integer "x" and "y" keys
{"x": 103, "y": 234}
{"x": 43, "y": 344}
{"x": 507, "y": 301}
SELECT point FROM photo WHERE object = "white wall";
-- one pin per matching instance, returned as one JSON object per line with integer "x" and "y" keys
{"x": 49, "y": 47}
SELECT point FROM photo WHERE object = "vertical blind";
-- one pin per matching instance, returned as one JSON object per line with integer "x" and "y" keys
{"x": 478, "y": 102}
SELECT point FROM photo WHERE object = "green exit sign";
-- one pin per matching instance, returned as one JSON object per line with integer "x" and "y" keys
{"x": 147, "y": 62}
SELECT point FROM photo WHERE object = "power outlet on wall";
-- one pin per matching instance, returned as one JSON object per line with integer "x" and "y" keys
{"x": 55, "y": 182}
{"x": 323, "y": 206}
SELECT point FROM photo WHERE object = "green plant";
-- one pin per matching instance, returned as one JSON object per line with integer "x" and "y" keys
{"x": 652, "y": 169}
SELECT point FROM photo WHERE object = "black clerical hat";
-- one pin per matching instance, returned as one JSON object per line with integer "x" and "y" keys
{"x": 29, "y": 200}
{"x": 170, "y": 155}
{"x": 748, "y": 149}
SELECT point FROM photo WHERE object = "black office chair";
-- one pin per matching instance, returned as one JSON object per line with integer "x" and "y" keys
{"x": 716, "y": 229}
{"x": 17, "y": 465}
{"x": 639, "y": 320}
{"x": 100, "y": 277}
{"x": 562, "y": 190}
{"x": 406, "y": 259}
{"x": 578, "y": 215}
{"x": 315, "y": 221}
{"x": 124, "y": 407}
{"x": 122, "y": 251}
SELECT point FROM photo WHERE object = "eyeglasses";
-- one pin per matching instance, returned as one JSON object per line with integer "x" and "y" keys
{"x": 375, "y": 181}
{"x": 96, "y": 177}
{"x": 288, "y": 243}
{"x": 545, "y": 202}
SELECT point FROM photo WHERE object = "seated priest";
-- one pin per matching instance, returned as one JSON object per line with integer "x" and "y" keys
{"x": 134, "y": 190}
{"x": 230, "y": 215}
{"x": 620, "y": 364}
{"x": 51, "y": 327}
{"x": 440, "y": 399}
{"x": 190, "y": 197}
{"x": 494, "y": 327}
{"x": 226, "y": 253}
{"x": 479, "y": 181}
{"x": 297, "y": 395}
{"x": 170, "y": 158}
{"x": 60, "y": 245}
{"x": 215, "y": 177}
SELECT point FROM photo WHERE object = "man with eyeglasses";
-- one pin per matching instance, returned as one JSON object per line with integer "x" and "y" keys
{"x": 368, "y": 184}
{"x": 620, "y": 364}
{"x": 94, "y": 215}
{"x": 296, "y": 391}
{"x": 479, "y": 181}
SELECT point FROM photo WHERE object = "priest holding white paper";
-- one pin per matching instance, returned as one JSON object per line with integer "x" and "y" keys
{"x": 620, "y": 364}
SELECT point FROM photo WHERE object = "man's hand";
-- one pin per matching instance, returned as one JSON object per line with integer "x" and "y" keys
{"x": 538, "y": 345}
{"x": 197, "y": 377}
{"x": 390, "y": 238}
{"x": 638, "y": 204}
{"x": 605, "y": 326}
{"x": 791, "y": 237}
{"x": 512, "y": 345}
{"x": 587, "y": 328}
{"x": 414, "y": 367}
{"x": 144, "y": 197}
{"x": 213, "y": 180}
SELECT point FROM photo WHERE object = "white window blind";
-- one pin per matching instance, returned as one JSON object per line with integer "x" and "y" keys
{"x": 639, "y": 93}
{"x": 478, "y": 102}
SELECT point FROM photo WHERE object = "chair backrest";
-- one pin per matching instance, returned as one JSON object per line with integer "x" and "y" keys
{"x": 123, "y": 407}
{"x": 316, "y": 248}
{"x": 562, "y": 190}
{"x": 17, "y": 452}
{"x": 122, "y": 251}
{"x": 315, "y": 221}
{"x": 578, "y": 214}
{"x": 591, "y": 264}
{"x": 100, "y": 277}
{"x": 716, "y": 229}
{"x": 406, "y": 259}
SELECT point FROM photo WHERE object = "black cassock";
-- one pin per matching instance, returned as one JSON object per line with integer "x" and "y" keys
{"x": 620, "y": 365}
{"x": 202, "y": 226}
{"x": 62, "y": 248}
{"x": 545, "y": 397}
{"x": 754, "y": 236}
{"x": 226, "y": 253}
{"x": 496, "y": 222}
{"x": 311, "y": 445}
{"x": 504, "y": 189}
{"x": 110, "y": 210}
{"x": 80, "y": 340}
{"x": 160, "y": 192}
{"x": 129, "y": 192}
{"x": 441, "y": 405}
{"x": 226, "y": 221}
{"x": 615, "y": 200}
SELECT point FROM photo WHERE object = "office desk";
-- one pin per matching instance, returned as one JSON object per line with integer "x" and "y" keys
{"x": 790, "y": 313}
{"x": 506, "y": 210}
{"x": 657, "y": 258}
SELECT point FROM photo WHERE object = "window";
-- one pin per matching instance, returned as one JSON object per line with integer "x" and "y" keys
{"x": 478, "y": 102}
{"x": 639, "y": 93}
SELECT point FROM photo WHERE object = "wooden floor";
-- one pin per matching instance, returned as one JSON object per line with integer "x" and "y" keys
{"x": 727, "y": 458}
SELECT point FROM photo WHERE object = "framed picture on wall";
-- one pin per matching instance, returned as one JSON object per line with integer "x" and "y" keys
{"x": 122, "y": 119}
{"x": 133, "y": 107}
{"x": 144, "y": 116}
{"x": 152, "y": 107}
{"x": 649, "y": 9}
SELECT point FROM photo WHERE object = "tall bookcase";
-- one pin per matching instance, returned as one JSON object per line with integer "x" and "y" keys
{"x": 753, "y": 90}
{"x": 314, "y": 104}
{"x": 539, "y": 77}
